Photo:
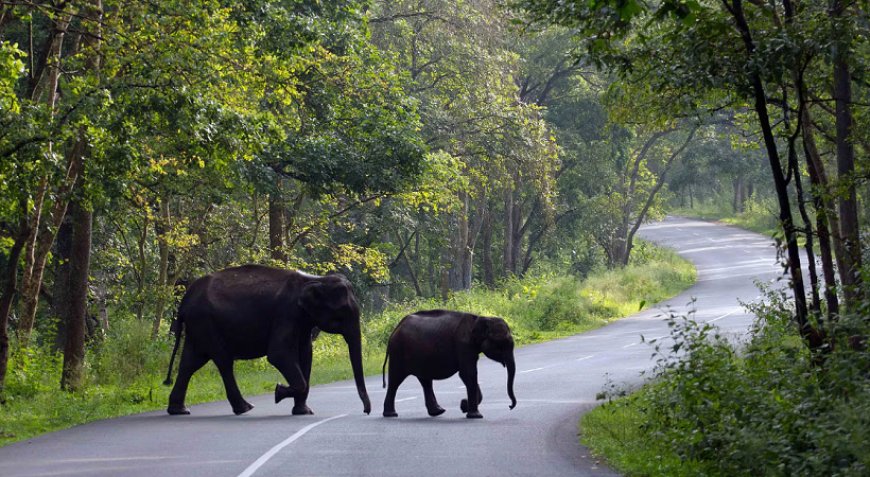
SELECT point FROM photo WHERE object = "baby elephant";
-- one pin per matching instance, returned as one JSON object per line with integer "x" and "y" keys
{"x": 436, "y": 344}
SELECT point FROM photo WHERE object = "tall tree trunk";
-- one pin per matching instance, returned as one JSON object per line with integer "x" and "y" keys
{"x": 40, "y": 246}
{"x": 486, "y": 238}
{"x": 847, "y": 198}
{"x": 507, "y": 251}
{"x": 517, "y": 231}
{"x": 780, "y": 184}
{"x": 739, "y": 194}
{"x": 60, "y": 305}
{"x": 818, "y": 190}
{"x": 162, "y": 227}
{"x": 44, "y": 88}
{"x": 72, "y": 377}
{"x": 276, "y": 224}
{"x": 822, "y": 225}
{"x": 7, "y": 293}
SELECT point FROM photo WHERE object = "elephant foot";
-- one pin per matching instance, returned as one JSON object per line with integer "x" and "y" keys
{"x": 474, "y": 415}
{"x": 175, "y": 410}
{"x": 391, "y": 414}
{"x": 245, "y": 407}
{"x": 282, "y": 392}
{"x": 302, "y": 410}
{"x": 436, "y": 411}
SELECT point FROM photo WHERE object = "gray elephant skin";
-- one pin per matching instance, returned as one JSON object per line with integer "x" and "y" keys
{"x": 435, "y": 344}
{"x": 252, "y": 311}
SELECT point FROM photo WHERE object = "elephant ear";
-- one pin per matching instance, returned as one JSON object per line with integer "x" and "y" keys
{"x": 317, "y": 297}
{"x": 312, "y": 297}
{"x": 480, "y": 330}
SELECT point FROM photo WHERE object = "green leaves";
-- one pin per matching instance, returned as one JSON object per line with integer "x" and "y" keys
{"x": 11, "y": 69}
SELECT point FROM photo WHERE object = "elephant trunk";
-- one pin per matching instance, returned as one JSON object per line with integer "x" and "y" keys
{"x": 354, "y": 346}
{"x": 511, "y": 370}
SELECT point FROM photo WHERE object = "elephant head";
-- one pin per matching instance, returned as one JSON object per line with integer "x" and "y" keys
{"x": 330, "y": 303}
{"x": 494, "y": 339}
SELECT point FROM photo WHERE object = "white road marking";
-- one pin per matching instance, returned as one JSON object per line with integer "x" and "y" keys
{"x": 585, "y": 357}
{"x": 723, "y": 316}
{"x": 530, "y": 370}
{"x": 268, "y": 455}
{"x": 406, "y": 399}
{"x": 628, "y": 345}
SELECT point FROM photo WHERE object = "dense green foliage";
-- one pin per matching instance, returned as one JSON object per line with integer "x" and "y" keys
{"x": 784, "y": 82}
{"x": 420, "y": 148}
{"x": 127, "y": 367}
{"x": 718, "y": 408}
{"x": 431, "y": 151}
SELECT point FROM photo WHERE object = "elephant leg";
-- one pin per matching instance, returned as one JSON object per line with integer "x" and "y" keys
{"x": 287, "y": 364}
{"x": 299, "y": 400}
{"x": 395, "y": 379}
{"x": 429, "y": 394}
{"x": 191, "y": 362}
{"x": 463, "y": 405}
{"x": 469, "y": 378}
{"x": 234, "y": 395}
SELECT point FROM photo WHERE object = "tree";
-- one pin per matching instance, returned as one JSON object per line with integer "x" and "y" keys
{"x": 707, "y": 56}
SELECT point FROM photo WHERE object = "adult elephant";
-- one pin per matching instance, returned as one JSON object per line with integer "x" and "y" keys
{"x": 436, "y": 344}
{"x": 252, "y": 311}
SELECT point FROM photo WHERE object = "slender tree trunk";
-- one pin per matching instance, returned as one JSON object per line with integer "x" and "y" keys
{"x": 462, "y": 261}
{"x": 10, "y": 284}
{"x": 822, "y": 221}
{"x": 517, "y": 232}
{"x": 72, "y": 377}
{"x": 785, "y": 215}
{"x": 60, "y": 305}
{"x": 411, "y": 272}
{"x": 809, "y": 247}
{"x": 660, "y": 182}
{"x": 162, "y": 228}
{"x": 276, "y": 225}
{"x": 818, "y": 190}
{"x": 739, "y": 194}
{"x": 142, "y": 264}
{"x": 507, "y": 251}
{"x": 847, "y": 199}
{"x": 486, "y": 244}
{"x": 42, "y": 240}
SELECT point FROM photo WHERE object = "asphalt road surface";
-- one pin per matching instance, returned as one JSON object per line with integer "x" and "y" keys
{"x": 556, "y": 382}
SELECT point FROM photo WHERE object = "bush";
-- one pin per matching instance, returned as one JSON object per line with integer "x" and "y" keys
{"x": 762, "y": 408}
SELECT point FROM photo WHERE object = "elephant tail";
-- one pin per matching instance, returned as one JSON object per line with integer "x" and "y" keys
{"x": 176, "y": 328}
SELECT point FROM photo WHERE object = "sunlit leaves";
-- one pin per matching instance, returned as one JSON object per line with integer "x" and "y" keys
{"x": 11, "y": 69}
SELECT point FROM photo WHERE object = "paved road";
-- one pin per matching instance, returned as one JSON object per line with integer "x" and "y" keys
{"x": 555, "y": 383}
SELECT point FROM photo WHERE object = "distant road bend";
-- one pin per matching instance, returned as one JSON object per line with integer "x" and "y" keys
{"x": 556, "y": 382}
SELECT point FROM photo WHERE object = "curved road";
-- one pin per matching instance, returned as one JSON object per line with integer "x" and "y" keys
{"x": 555, "y": 383}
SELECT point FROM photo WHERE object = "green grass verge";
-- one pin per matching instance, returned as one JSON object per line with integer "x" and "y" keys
{"x": 615, "y": 431}
{"x": 760, "y": 215}
{"x": 125, "y": 371}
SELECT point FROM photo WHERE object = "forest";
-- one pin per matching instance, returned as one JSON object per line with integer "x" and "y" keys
{"x": 423, "y": 148}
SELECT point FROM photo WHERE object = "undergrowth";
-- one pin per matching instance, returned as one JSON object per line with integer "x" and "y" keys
{"x": 125, "y": 369}
{"x": 716, "y": 408}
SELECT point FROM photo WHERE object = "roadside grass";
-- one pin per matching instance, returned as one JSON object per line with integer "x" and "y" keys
{"x": 125, "y": 371}
{"x": 616, "y": 431}
{"x": 759, "y": 215}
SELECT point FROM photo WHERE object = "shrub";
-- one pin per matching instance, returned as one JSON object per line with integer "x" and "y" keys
{"x": 758, "y": 408}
